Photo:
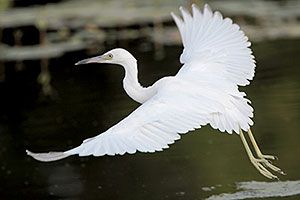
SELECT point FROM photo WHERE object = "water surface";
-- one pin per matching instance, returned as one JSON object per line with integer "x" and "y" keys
{"x": 203, "y": 164}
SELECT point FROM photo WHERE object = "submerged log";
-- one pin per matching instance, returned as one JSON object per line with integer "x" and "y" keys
{"x": 37, "y": 52}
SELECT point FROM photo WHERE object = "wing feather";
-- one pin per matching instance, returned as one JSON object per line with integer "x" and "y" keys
{"x": 156, "y": 124}
{"x": 208, "y": 38}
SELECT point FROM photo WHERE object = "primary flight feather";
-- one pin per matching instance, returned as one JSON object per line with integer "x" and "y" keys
{"x": 216, "y": 60}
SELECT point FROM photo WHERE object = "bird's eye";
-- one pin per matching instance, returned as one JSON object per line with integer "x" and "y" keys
{"x": 110, "y": 56}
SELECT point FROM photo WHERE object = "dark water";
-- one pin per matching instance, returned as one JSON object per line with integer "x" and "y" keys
{"x": 203, "y": 164}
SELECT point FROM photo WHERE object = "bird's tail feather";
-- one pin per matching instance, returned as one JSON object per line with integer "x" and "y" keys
{"x": 48, "y": 157}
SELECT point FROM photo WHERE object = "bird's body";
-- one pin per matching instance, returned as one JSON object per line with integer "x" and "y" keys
{"x": 216, "y": 60}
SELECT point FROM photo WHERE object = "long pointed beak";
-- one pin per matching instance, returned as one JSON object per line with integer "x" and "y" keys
{"x": 96, "y": 59}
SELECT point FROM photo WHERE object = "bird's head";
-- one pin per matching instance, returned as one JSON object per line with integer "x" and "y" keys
{"x": 115, "y": 56}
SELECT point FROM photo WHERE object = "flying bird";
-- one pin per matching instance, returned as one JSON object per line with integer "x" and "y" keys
{"x": 216, "y": 60}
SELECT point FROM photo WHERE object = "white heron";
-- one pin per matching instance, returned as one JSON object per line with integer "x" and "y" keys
{"x": 216, "y": 59}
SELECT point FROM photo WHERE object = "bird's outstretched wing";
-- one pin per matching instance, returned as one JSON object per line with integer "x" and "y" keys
{"x": 157, "y": 123}
{"x": 214, "y": 45}
{"x": 204, "y": 91}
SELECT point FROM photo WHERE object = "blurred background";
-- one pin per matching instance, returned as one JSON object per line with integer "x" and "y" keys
{"x": 47, "y": 104}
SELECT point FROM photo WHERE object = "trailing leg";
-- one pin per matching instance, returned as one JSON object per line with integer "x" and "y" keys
{"x": 257, "y": 163}
{"x": 263, "y": 157}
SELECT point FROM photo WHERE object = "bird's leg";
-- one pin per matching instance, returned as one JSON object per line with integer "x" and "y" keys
{"x": 256, "y": 162}
{"x": 257, "y": 150}
{"x": 263, "y": 158}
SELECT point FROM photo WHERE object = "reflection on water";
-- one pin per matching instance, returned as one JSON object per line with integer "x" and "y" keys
{"x": 91, "y": 99}
{"x": 256, "y": 189}
{"x": 64, "y": 181}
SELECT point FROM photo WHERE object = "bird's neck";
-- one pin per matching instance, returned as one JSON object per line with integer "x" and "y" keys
{"x": 131, "y": 84}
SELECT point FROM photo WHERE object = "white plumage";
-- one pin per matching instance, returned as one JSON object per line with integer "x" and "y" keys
{"x": 216, "y": 60}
